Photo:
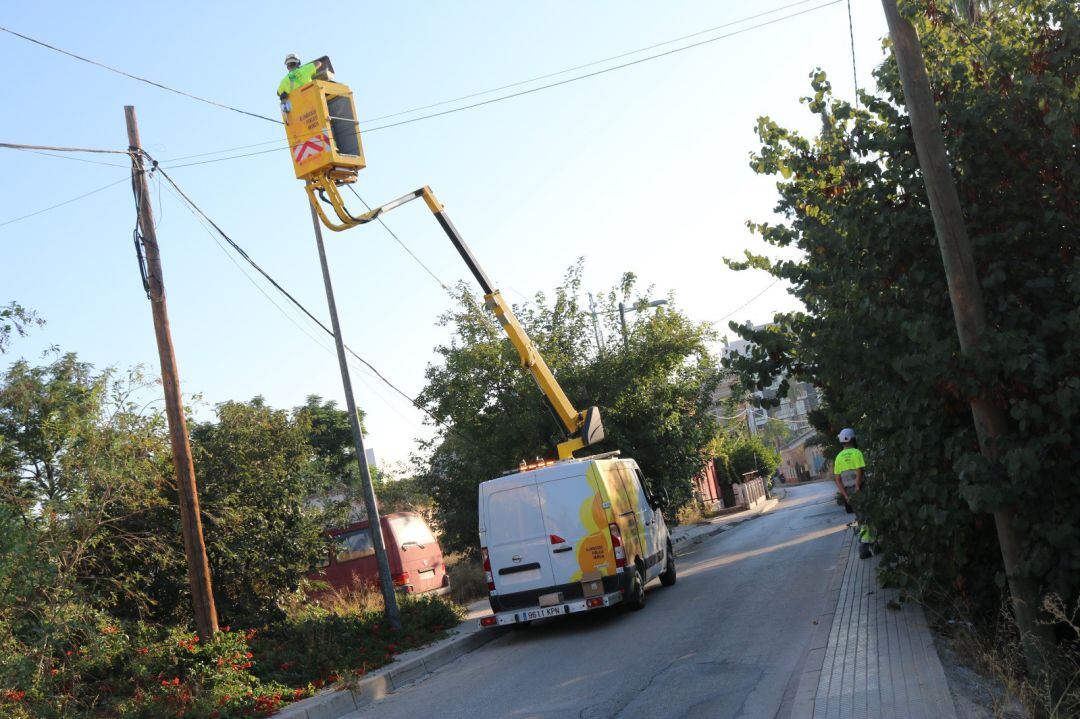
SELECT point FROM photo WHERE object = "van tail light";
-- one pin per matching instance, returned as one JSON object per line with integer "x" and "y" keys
{"x": 487, "y": 570}
{"x": 488, "y": 621}
{"x": 400, "y": 580}
{"x": 594, "y": 602}
{"x": 616, "y": 544}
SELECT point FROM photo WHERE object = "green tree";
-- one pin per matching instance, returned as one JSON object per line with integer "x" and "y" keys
{"x": 15, "y": 319}
{"x": 254, "y": 473}
{"x": 750, "y": 453}
{"x": 654, "y": 395}
{"x": 330, "y": 436}
{"x": 43, "y": 411}
{"x": 877, "y": 333}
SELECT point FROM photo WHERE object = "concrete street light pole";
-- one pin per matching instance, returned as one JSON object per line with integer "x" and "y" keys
{"x": 374, "y": 522}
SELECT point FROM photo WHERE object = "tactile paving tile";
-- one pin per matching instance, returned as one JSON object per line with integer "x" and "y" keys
{"x": 879, "y": 662}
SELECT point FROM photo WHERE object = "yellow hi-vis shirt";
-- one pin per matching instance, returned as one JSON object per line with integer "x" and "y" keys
{"x": 297, "y": 78}
{"x": 846, "y": 463}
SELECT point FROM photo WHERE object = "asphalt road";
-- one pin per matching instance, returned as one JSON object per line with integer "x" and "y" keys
{"x": 725, "y": 641}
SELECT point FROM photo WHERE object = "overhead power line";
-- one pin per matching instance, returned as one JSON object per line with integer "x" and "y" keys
{"x": 118, "y": 71}
{"x": 18, "y": 146}
{"x": 65, "y": 202}
{"x": 540, "y": 88}
{"x": 400, "y": 242}
{"x": 75, "y": 159}
{"x": 605, "y": 70}
{"x": 588, "y": 64}
{"x": 745, "y": 304}
{"x": 363, "y": 371}
{"x": 247, "y": 258}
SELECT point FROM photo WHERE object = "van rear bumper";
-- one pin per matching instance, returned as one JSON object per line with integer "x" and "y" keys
{"x": 528, "y": 614}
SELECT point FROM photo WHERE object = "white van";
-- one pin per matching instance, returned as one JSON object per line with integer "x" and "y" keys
{"x": 571, "y": 536}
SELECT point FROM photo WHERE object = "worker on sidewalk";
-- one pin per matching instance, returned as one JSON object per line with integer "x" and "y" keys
{"x": 848, "y": 470}
{"x": 297, "y": 76}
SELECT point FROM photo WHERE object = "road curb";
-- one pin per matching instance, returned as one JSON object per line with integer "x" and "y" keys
{"x": 802, "y": 689}
{"x": 333, "y": 704}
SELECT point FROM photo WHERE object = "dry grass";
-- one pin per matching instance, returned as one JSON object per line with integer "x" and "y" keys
{"x": 359, "y": 597}
{"x": 998, "y": 654}
{"x": 689, "y": 513}
{"x": 467, "y": 583}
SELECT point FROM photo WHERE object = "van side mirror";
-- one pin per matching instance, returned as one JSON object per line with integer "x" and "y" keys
{"x": 659, "y": 499}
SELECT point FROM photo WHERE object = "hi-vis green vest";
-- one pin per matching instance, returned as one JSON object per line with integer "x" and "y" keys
{"x": 297, "y": 78}
{"x": 846, "y": 463}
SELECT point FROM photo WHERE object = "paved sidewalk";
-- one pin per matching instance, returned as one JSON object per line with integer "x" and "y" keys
{"x": 877, "y": 659}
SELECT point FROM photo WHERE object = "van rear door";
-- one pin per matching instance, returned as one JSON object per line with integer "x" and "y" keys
{"x": 577, "y": 528}
{"x": 517, "y": 541}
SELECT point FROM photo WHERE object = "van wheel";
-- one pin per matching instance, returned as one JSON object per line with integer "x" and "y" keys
{"x": 635, "y": 593}
{"x": 668, "y": 577}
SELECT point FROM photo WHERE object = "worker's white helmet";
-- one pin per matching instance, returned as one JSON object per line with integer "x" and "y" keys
{"x": 291, "y": 58}
{"x": 847, "y": 434}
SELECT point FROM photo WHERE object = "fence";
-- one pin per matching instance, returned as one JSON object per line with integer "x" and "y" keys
{"x": 750, "y": 493}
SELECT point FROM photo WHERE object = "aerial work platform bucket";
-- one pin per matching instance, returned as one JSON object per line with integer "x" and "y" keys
{"x": 324, "y": 136}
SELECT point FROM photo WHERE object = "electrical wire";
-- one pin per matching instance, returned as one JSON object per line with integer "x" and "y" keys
{"x": 587, "y": 64}
{"x": 468, "y": 298}
{"x": 65, "y": 202}
{"x": 602, "y": 72}
{"x": 20, "y": 146}
{"x": 400, "y": 242}
{"x": 363, "y": 371}
{"x": 745, "y": 304}
{"x": 528, "y": 91}
{"x": 247, "y": 258}
{"x": 74, "y": 159}
{"x": 136, "y": 77}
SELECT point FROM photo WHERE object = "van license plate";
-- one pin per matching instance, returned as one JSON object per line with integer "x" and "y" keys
{"x": 541, "y": 613}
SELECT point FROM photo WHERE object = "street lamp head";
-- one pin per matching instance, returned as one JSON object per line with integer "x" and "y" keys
{"x": 657, "y": 303}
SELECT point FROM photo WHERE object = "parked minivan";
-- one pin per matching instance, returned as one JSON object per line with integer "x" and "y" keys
{"x": 416, "y": 561}
{"x": 571, "y": 536}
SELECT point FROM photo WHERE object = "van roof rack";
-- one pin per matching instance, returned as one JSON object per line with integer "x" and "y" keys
{"x": 551, "y": 463}
{"x": 604, "y": 455}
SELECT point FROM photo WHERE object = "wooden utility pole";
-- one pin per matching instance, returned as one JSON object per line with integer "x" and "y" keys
{"x": 969, "y": 312}
{"x": 190, "y": 522}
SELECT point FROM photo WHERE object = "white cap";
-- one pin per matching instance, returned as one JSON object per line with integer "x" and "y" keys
{"x": 847, "y": 434}
{"x": 292, "y": 58}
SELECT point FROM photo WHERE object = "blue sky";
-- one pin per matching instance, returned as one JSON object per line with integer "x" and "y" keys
{"x": 642, "y": 169}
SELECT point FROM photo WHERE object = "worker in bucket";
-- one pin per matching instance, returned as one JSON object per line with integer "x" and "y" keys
{"x": 297, "y": 76}
{"x": 848, "y": 470}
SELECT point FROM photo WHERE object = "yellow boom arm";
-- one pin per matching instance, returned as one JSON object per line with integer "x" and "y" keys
{"x": 324, "y": 139}
{"x": 585, "y": 428}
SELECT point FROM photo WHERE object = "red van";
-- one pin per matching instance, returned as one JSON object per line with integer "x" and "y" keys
{"x": 416, "y": 561}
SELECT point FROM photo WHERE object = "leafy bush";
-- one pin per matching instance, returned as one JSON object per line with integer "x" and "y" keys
{"x": 91, "y": 665}
{"x": 93, "y": 599}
